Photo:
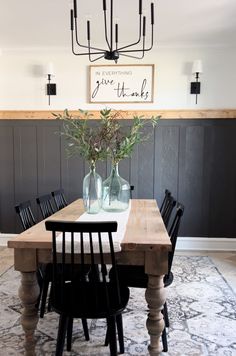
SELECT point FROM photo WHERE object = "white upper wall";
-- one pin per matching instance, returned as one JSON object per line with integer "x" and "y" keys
{"x": 33, "y": 33}
{"x": 23, "y": 80}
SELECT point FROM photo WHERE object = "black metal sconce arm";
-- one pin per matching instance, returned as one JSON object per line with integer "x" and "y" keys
{"x": 51, "y": 88}
{"x": 196, "y": 86}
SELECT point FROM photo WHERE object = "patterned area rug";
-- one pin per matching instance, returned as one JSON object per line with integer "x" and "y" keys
{"x": 202, "y": 311}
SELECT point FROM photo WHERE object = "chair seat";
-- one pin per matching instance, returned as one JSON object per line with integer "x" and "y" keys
{"x": 134, "y": 276}
{"x": 131, "y": 276}
{"x": 45, "y": 278}
{"x": 79, "y": 303}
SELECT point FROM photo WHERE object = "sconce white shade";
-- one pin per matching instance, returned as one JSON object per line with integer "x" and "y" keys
{"x": 50, "y": 68}
{"x": 197, "y": 66}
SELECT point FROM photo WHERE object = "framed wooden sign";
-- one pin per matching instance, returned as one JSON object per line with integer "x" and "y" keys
{"x": 121, "y": 83}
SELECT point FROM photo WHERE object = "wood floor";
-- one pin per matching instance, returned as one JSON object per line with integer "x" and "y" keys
{"x": 6, "y": 259}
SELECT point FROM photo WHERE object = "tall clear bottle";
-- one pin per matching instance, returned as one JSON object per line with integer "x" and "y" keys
{"x": 116, "y": 192}
{"x": 92, "y": 191}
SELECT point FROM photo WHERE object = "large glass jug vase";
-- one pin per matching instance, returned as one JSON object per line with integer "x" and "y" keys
{"x": 92, "y": 191}
{"x": 116, "y": 192}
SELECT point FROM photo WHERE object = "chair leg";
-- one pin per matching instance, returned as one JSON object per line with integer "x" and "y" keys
{"x": 164, "y": 340}
{"x": 107, "y": 335}
{"x": 85, "y": 328}
{"x": 69, "y": 334}
{"x": 44, "y": 297}
{"x": 61, "y": 335}
{"x": 112, "y": 336}
{"x": 165, "y": 314}
{"x": 50, "y": 299}
{"x": 119, "y": 324}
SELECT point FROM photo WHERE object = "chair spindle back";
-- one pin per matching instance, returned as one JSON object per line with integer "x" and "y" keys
{"x": 173, "y": 233}
{"x": 165, "y": 201}
{"x": 25, "y": 214}
{"x": 59, "y": 199}
{"x": 88, "y": 244}
{"x": 45, "y": 205}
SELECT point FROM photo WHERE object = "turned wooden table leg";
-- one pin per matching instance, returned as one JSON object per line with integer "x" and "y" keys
{"x": 28, "y": 293}
{"x": 155, "y": 297}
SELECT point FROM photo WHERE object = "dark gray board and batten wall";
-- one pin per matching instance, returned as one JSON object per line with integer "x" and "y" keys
{"x": 195, "y": 159}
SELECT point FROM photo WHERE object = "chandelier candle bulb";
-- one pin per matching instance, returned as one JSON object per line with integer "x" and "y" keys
{"x": 71, "y": 20}
{"x": 75, "y": 9}
{"x": 152, "y": 13}
{"x": 140, "y": 7}
{"x": 104, "y": 5}
{"x": 88, "y": 30}
{"x": 116, "y": 33}
{"x": 144, "y": 26}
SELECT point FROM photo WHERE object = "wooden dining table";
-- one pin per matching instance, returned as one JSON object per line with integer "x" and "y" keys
{"x": 146, "y": 242}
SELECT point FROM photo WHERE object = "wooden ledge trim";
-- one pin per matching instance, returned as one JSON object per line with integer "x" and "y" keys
{"x": 125, "y": 114}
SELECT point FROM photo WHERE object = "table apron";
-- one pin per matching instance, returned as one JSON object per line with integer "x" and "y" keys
{"x": 155, "y": 263}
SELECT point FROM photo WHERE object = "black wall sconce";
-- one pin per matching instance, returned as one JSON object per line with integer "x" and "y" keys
{"x": 51, "y": 87}
{"x": 196, "y": 86}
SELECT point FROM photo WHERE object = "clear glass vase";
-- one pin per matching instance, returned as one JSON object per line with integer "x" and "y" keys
{"x": 92, "y": 191}
{"x": 116, "y": 192}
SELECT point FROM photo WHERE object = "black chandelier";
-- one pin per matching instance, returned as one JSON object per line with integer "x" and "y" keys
{"x": 113, "y": 51}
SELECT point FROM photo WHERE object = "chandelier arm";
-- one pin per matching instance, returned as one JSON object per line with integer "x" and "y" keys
{"x": 140, "y": 50}
{"x": 93, "y": 60}
{"x": 80, "y": 44}
{"x": 136, "y": 50}
{"x": 105, "y": 28}
{"x": 116, "y": 36}
{"x": 74, "y": 14}
{"x": 128, "y": 55}
{"x": 137, "y": 42}
{"x": 140, "y": 25}
{"x": 82, "y": 54}
{"x": 89, "y": 52}
{"x": 142, "y": 56}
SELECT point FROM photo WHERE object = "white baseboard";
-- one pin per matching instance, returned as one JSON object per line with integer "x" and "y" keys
{"x": 183, "y": 243}
{"x": 206, "y": 244}
{"x": 4, "y": 238}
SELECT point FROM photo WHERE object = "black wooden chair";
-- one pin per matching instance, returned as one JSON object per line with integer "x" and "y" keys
{"x": 27, "y": 220}
{"x": 46, "y": 208}
{"x": 134, "y": 276}
{"x": 45, "y": 204}
{"x": 83, "y": 296}
{"x": 25, "y": 214}
{"x": 166, "y": 213}
{"x": 131, "y": 190}
{"x": 165, "y": 201}
{"x": 44, "y": 272}
{"x": 59, "y": 199}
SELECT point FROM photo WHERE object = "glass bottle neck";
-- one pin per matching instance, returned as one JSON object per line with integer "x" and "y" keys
{"x": 92, "y": 167}
{"x": 115, "y": 169}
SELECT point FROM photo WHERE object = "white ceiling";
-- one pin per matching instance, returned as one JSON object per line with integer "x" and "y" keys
{"x": 45, "y": 23}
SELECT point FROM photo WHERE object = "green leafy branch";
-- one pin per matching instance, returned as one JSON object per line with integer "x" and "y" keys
{"x": 108, "y": 139}
{"x": 83, "y": 138}
{"x": 122, "y": 143}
